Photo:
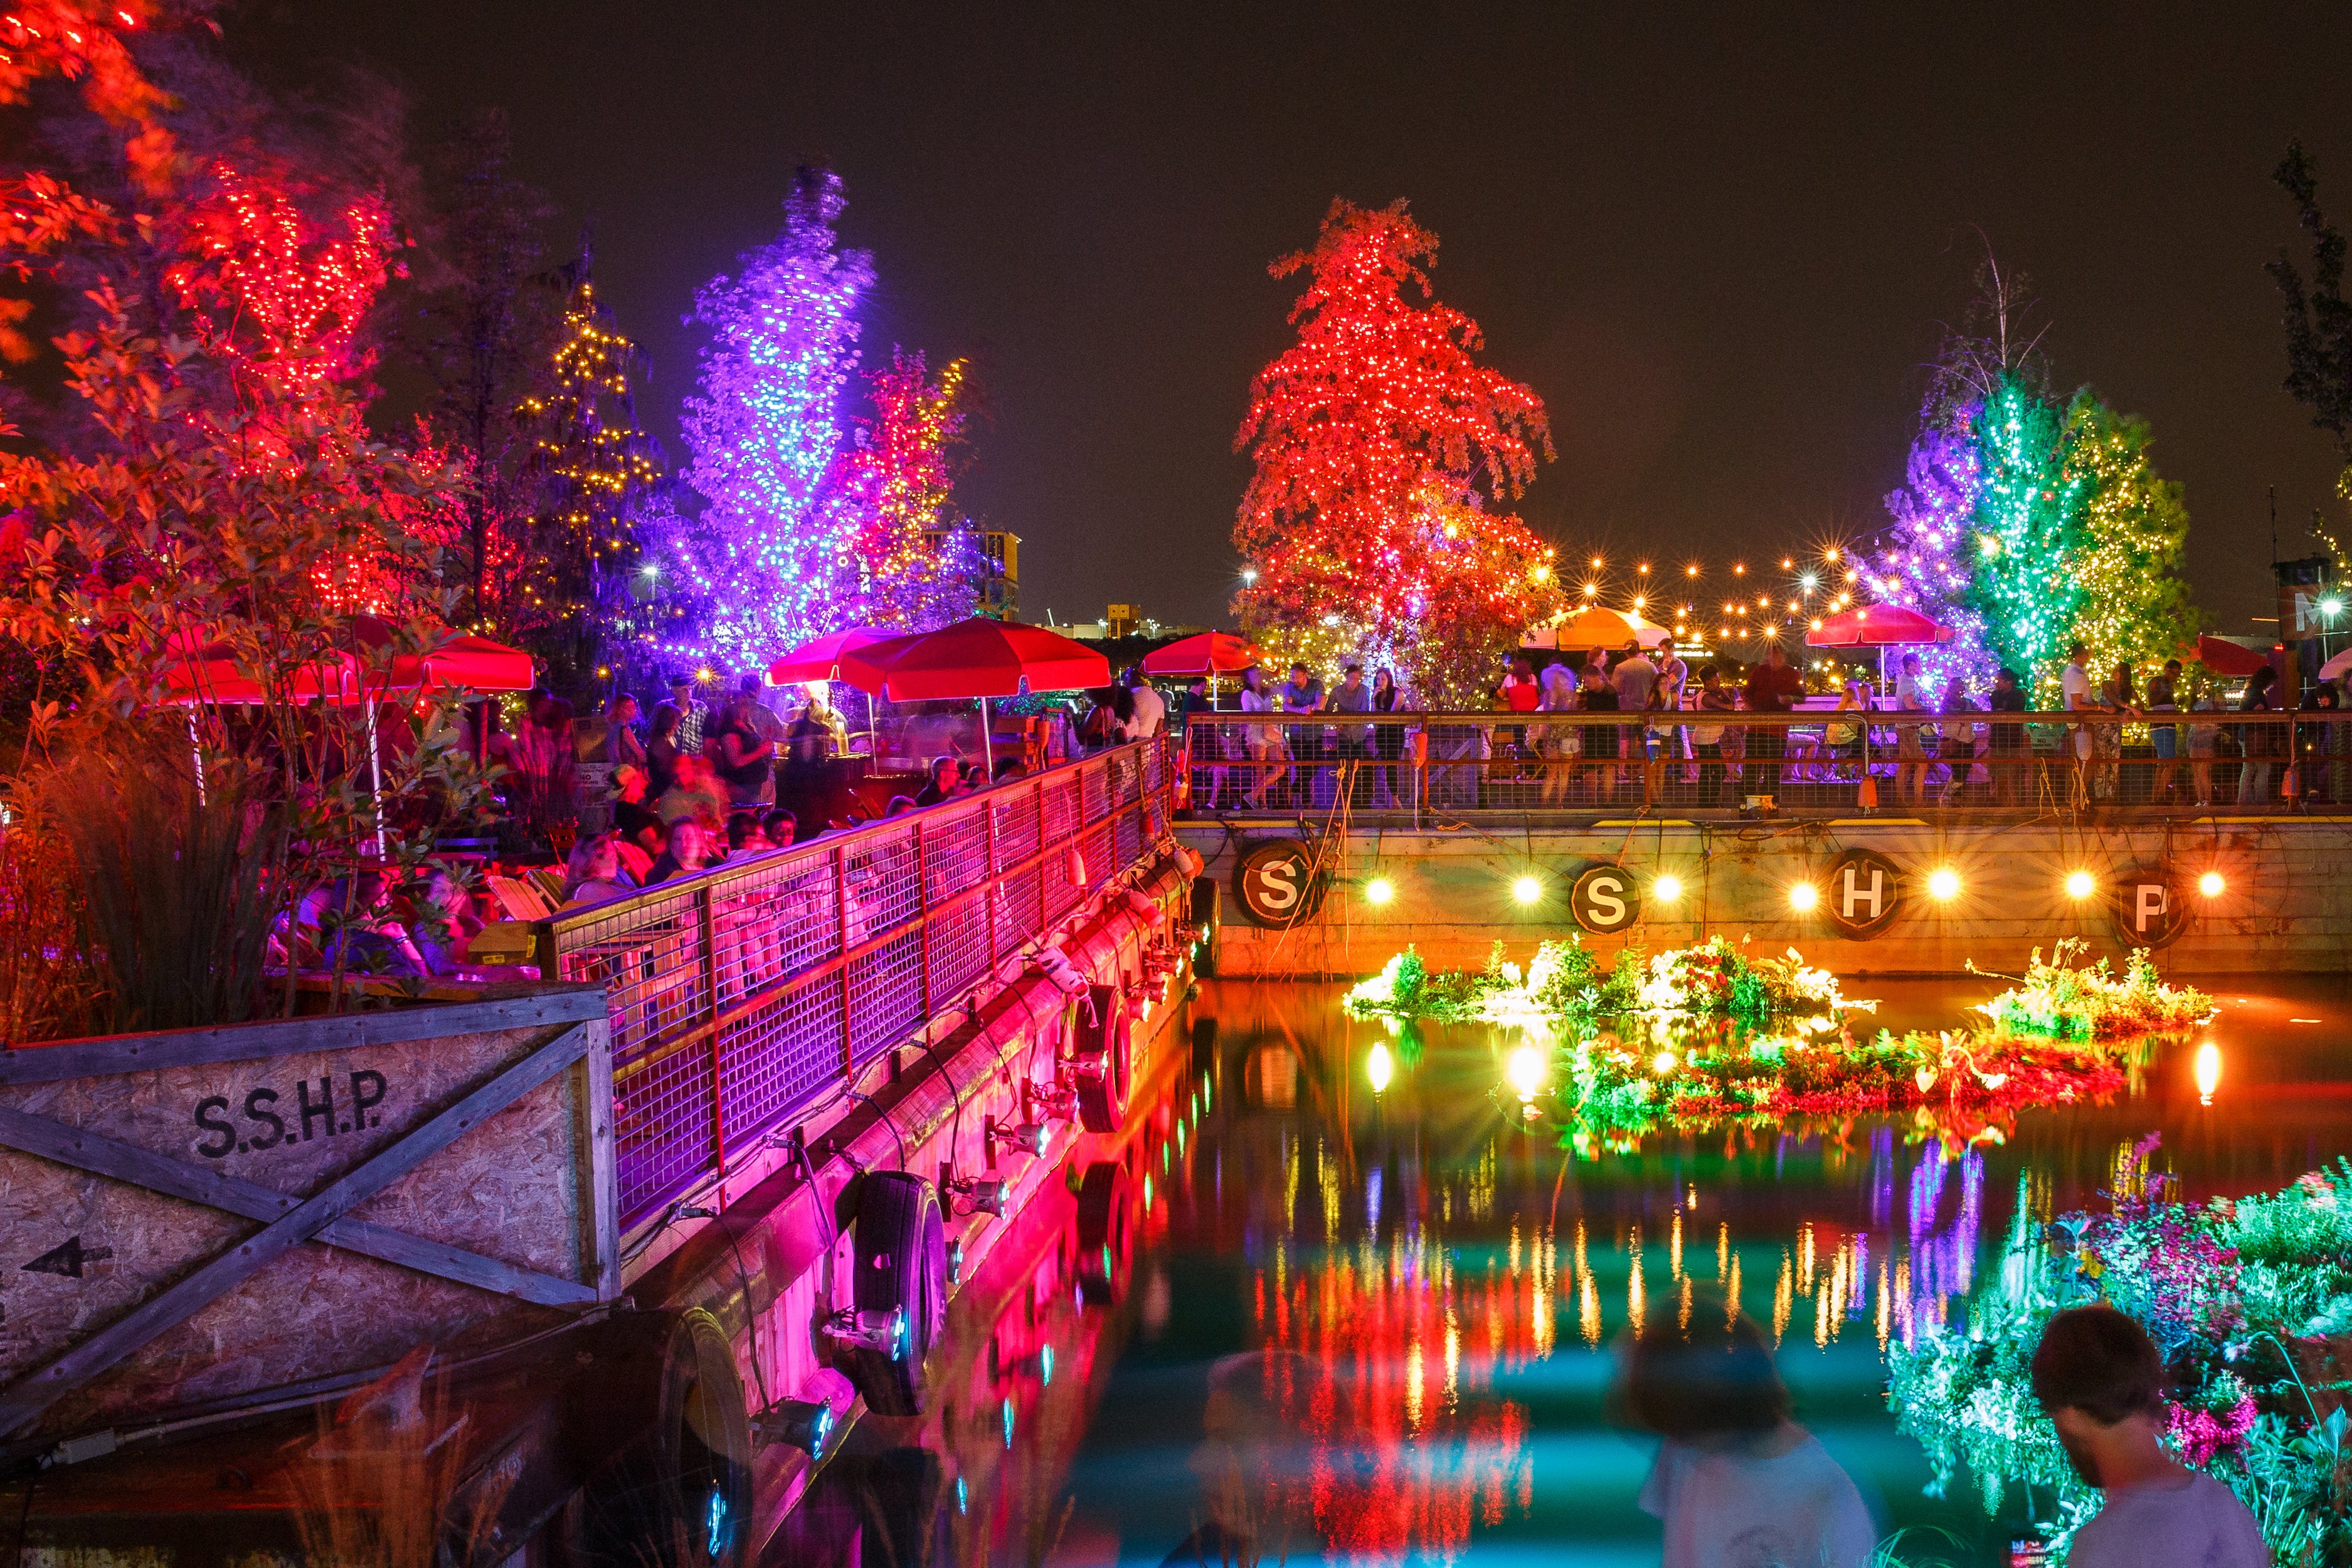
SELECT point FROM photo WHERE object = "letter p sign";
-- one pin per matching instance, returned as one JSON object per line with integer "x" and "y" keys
{"x": 2151, "y": 902}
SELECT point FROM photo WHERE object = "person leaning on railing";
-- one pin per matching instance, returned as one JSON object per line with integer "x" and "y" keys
{"x": 2265, "y": 744}
{"x": 2010, "y": 750}
{"x": 2163, "y": 695}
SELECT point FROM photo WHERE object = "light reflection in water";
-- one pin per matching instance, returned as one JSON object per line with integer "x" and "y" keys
{"x": 1393, "y": 1262}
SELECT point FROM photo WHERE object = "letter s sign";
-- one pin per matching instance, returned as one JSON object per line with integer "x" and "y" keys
{"x": 1275, "y": 883}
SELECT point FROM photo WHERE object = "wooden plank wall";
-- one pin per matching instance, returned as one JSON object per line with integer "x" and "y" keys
{"x": 518, "y": 1189}
{"x": 2287, "y": 907}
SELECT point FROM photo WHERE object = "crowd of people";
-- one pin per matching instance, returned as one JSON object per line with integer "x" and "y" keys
{"x": 1941, "y": 752}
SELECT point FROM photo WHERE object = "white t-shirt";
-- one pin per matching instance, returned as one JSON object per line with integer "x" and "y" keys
{"x": 1151, "y": 714}
{"x": 1737, "y": 1509}
{"x": 1906, "y": 694}
{"x": 2073, "y": 688}
{"x": 2199, "y": 1523}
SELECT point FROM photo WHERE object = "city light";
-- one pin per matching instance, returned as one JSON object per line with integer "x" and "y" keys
{"x": 1378, "y": 890}
{"x": 2331, "y": 608}
{"x": 1379, "y": 1068}
{"x": 2081, "y": 884}
{"x": 1803, "y": 896}
{"x": 2211, "y": 885}
{"x": 1666, "y": 889}
{"x": 1943, "y": 885}
{"x": 1527, "y": 889}
{"x": 1249, "y": 576}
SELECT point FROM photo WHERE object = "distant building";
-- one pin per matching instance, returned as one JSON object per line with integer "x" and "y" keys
{"x": 1000, "y": 588}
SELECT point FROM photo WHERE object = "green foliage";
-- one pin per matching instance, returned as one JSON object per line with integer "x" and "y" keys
{"x": 2071, "y": 999}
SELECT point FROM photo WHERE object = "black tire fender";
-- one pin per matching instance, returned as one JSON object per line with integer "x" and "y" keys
{"x": 901, "y": 1263}
{"x": 1103, "y": 1062}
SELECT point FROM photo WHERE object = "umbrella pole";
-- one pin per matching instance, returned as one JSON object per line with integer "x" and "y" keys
{"x": 197, "y": 754}
{"x": 375, "y": 779}
{"x": 987, "y": 745}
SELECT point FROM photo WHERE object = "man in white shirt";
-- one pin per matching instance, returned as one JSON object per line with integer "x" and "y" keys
{"x": 1150, "y": 708}
{"x": 2073, "y": 696}
{"x": 2102, "y": 1382}
{"x": 1673, "y": 681}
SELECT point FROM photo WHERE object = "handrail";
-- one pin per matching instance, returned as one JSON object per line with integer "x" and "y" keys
{"x": 738, "y": 994}
{"x": 1825, "y": 761}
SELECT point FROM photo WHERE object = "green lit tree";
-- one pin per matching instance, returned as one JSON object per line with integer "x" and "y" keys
{"x": 2123, "y": 564}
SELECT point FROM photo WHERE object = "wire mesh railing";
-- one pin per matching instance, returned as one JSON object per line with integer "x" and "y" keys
{"x": 1829, "y": 762}
{"x": 737, "y": 994}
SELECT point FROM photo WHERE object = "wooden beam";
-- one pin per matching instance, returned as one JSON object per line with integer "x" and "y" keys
{"x": 285, "y": 1037}
{"x": 21, "y": 1403}
{"x": 83, "y": 1150}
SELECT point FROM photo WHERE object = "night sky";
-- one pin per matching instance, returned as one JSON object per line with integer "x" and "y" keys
{"x": 1720, "y": 247}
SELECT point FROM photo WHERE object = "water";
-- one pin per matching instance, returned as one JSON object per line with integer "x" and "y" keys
{"x": 1423, "y": 1288}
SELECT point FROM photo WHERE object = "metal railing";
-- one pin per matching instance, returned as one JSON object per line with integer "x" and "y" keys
{"x": 1697, "y": 763}
{"x": 739, "y": 993}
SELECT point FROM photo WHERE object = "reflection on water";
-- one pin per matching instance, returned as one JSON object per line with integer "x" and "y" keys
{"x": 1350, "y": 1298}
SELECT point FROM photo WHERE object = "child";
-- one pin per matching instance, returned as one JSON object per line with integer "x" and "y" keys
{"x": 2098, "y": 1375}
{"x": 1735, "y": 1481}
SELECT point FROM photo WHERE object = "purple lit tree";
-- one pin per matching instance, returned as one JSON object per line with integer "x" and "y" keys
{"x": 770, "y": 559}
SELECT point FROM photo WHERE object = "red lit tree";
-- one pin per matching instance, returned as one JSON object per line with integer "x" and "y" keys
{"x": 918, "y": 565}
{"x": 1380, "y": 443}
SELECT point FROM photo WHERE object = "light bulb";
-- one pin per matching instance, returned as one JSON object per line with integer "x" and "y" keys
{"x": 1378, "y": 890}
{"x": 1527, "y": 889}
{"x": 1943, "y": 885}
{"x": 1803, "y": 896}
{"x": 1666, "y": 889}
{"x": 2081, "y": 884}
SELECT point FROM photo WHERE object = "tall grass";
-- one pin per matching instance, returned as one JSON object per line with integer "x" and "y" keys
{"x": 380, "y": 1489}
{"x": 179, "y": 885}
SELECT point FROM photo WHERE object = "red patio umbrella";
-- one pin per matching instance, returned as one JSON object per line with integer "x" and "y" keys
{"x": 1206, "y": 653}
{"x": 976, "y": 657}
{"x": 1877, "y": 626}
{"x": 1881, "y": 626}
{"x": 821, "y": 659}
{"x": 2223, "y": 656}
{"x": 206, "y": 671}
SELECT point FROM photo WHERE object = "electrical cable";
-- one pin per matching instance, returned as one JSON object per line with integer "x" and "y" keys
{"x": 896, "y": 1136}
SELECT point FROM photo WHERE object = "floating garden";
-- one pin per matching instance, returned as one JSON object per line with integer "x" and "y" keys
{"x": 1710, "y": 1034}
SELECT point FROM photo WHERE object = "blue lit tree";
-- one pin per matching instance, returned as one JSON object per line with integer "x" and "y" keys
{"x": 770, "y": 559}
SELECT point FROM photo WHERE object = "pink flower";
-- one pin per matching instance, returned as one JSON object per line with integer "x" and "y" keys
{"x": 2198, "y": 1435}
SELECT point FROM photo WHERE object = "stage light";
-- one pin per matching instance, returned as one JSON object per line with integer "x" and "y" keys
{"x": 1664, "y": 1062}
{"x": 1378, "y": 890}
{"x": 1944, "y": 884}
{"x": 1666, "y": 889}
{"x": 2211, "y": 885}
{"x": 1803, "y": 896}
{"x": 1524, "y": 1068}
{"x": 2081, "y": 884}
{"x": 2209, "y": 1071}
{"x": 1527, "y": 889}
{"x": 1379, "y": 1068}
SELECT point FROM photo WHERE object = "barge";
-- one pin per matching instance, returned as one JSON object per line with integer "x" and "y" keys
{"x": 606, "y": 1270}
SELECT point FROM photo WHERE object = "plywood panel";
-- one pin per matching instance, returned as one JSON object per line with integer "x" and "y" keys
{"x": 517, "y": 1188}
